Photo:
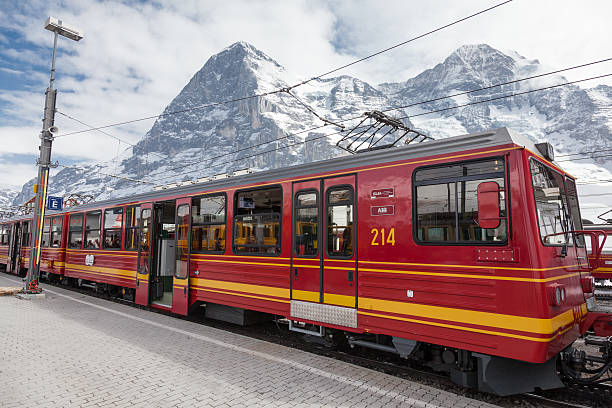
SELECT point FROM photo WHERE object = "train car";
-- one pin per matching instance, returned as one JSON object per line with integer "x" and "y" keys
{"x": 14, "y": 248}
{"x": 603, "y": 268}
{"x": 466, "y": 253}
{"x": 101, "y": 246}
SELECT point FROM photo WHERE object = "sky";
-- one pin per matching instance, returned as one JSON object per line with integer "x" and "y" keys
{"x": 137, "y": 55}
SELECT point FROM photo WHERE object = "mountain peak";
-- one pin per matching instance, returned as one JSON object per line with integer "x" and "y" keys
{"x": 480, "y": 58}
{"x": 242, "y": 50}
{"x": 470, "y": 49}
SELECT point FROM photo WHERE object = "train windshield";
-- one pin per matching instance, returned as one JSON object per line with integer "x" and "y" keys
{"x": 572, "y": 199}
{"x": 551, "y": 204}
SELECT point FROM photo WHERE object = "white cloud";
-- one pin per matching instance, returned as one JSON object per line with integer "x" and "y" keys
{"x": 12, "y": 174}
{"x": 11, "y": 71}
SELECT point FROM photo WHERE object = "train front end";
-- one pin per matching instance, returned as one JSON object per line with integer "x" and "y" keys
{"x": 567, "y": 253}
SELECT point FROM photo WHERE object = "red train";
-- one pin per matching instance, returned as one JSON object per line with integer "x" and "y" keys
{"x": 463, "y": 253}
{"x": 603, "y": 268}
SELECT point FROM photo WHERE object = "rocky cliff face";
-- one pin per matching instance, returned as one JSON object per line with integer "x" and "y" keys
{"x": 198, "y": 137}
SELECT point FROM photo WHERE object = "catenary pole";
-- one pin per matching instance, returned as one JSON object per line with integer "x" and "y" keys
{"x": 44, "y": 160}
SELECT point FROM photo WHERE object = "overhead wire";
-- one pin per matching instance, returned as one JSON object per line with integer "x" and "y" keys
{"x": 251, "y": 146}
{"x": 498, "y": 85}
{"x": 503, "y": 97}
{"x": 183, "y": 165}
{"x": 401, "y": 44}
{"x": 106, "y": 174}
{"x": 215, "y": 104}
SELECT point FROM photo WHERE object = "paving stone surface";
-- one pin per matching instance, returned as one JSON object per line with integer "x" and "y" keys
{"x": 72, "y": 350}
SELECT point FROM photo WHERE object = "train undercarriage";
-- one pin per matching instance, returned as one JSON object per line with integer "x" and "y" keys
{"x": 586, "y": 361}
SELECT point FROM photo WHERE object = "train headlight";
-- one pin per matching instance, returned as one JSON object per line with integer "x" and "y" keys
{"x": 563, "y": 295}
{"x": 556, "y": 294}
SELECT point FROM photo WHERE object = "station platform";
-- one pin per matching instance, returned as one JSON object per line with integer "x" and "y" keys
{"x": 73, "y": 350}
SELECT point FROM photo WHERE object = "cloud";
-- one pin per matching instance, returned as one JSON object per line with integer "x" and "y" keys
{"x": 24, "y": 55}
{"x": 11, "y": 71}
{"x": 14, "y": 175}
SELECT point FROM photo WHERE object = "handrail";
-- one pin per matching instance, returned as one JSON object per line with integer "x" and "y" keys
{"x": 594, "y": 235}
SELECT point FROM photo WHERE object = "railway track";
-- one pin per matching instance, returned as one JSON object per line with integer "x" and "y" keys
{"x": 575, "y": 396}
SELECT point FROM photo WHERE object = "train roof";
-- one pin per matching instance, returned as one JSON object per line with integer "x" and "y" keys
{"x": 497, "y": 137}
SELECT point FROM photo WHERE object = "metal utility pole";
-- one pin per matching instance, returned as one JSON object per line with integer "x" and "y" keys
{"x": 44, "y": 161}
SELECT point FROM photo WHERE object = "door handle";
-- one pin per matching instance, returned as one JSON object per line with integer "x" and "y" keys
{"x": 185, "y": 291}
{"x": 350, "y": 276}
{"x": 295, "y": 272}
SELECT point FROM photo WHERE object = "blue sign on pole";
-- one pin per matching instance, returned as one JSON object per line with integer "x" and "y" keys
{"x": 55, "y": 203}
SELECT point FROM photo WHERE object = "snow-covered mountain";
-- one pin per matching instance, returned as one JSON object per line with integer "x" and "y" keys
{"x": 7, "y": 195}
{"x": 197, "y": 137}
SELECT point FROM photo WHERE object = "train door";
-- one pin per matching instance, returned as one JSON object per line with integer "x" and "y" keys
{"x": 340, "y": 252}
{"x": 13, "y": 264}
{"x": 180, "y": 293}
{"x": 143, "y": 265}
{"x": 307, "y": 273}
{"x": 163, "y": 254}
{"x": 324, "y": 242}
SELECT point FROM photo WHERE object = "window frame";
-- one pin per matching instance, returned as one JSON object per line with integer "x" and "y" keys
{"x": 42, "y": 233}
{"x": 104, "y": 229}
{"x": 128, "y": 229}
{"x": 25, "y": 233}
{"x": 294, "y": 230}
{"x": 61, "y": 230}
{"x": 86, "y": 230}
{"x": 354, "y": 227}
{"x": 577, "y": 241}
{"x": 504, "y": 174}
{"x": 535, "y": 205}
{"x": 192, "y": 251}
{"x": 188, "y": 239}
{"x": 280, "y": 221}
{"x": 70, "y": 232}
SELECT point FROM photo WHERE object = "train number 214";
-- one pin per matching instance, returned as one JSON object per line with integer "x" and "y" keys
{"x": 382, "y": 237}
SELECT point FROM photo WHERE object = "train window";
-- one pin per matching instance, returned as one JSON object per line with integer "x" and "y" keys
{"x": 144, "y": 223}
{"x": 75, "y": 231}
{"x": 132, "y": 217}
{"x": 92, "y": 230}
{"x": 340, "y": 222}
{"x": 453, "y": 171}
{"x": 46, "y": 232}
{"x": 306, "y": 242}
{"x": 446, "y": 203}
{"x": 257, "y": 227}
{"x": 572, "y": 199}
{"x": 113, "y": 221}
{"x": 208, "y": 224}
{"x": 436, "y": 212}
{"x": 551, "y": 204}
{"x": 25, "y": 237}
{"x": 182, "y": 242}
{"x": 56, "y": 231}
{"x": 3, "y": 234}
